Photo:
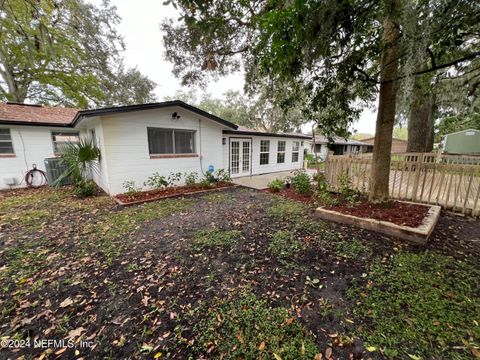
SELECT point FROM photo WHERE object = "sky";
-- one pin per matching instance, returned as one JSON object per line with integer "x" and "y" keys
{"x": 140, "y": 27}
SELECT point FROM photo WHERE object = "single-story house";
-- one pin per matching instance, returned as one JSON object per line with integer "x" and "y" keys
{"x": 138, "y": 140}
{"x": 398, "y": 145}
{"x": 462, "y": 142}
{"x": 339, "y": 146}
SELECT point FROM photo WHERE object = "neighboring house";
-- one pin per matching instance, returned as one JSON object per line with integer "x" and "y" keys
{"x": 340, "y": 146}
{"x": 462, "y": 142}
{"x": 136, "y": 141}
{"x": 398, "y": 145}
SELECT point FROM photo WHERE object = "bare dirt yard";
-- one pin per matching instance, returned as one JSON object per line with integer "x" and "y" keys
{"x": 234, "y": 274}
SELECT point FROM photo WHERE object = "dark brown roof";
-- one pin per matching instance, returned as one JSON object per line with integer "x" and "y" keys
{"x": 38, "y": 115}
{"x": 14, "y": 113}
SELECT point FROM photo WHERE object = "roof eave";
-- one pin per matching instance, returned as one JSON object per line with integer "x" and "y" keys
{"x": 130, "y": 108}
{"x": 257, "y": 133}
{"x": 33, "y": 123}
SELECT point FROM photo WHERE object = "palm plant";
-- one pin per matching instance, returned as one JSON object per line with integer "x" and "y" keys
{"x": 80, "y": 160}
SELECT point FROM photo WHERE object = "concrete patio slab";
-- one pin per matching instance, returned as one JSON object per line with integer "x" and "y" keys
{"x": 260, "y": 182}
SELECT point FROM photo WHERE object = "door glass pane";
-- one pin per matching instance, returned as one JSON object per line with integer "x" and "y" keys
{"x": 246, "y": 157}
{"x": 235, "y": 157}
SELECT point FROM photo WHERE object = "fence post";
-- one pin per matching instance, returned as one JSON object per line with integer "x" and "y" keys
{"x": 416, "y": 180}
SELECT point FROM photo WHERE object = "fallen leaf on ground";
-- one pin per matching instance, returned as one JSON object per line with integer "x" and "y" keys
{"x": 66, "y": 302}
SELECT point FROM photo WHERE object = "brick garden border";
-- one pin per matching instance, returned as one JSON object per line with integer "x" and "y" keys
{"x": 418, "y": 235}
{"x": 136, "y": 202}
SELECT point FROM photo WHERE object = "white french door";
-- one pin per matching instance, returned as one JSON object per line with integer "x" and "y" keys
{"x": 240, "y": 157}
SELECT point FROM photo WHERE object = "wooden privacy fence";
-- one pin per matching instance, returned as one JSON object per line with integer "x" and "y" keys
{"x": 433, "y": 179}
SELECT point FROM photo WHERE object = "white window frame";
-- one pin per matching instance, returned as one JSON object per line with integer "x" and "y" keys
{"x": 9, "y": 132}
{"x": 56, "y": 143}
{"x": 194, "y": 135}
{"x": 295, "y": 151}
{"x": 262, "y": 151}
{"x": 281, "y": 153}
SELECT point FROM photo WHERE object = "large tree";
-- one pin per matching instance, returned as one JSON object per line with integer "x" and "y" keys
{"x": 435, "y": 37}
{"x": 339, "y": 54}
{"x": 65, "y": 52}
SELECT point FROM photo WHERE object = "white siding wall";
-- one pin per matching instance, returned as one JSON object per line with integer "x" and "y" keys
{"x": 272, "y": 165}
{"x": 100, "y": 174}
{"x": 126, "y": 146}
{"x": 32, "y": 145}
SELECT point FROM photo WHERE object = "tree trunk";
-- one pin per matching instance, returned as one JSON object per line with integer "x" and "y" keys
{"x": 421, "y": 119}
{"x": 380, "y": 174}
{"x": 431, "y": 122}
{"x": 13, "y": 92}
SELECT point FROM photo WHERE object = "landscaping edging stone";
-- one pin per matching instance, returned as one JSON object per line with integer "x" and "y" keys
{"x": 136, "y": 202}
{"x": 418, "y": 235}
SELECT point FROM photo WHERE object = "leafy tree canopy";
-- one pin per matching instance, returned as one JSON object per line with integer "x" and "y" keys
{"x": 325, "y": 52}
{"x": 65, "y": 52}
{"x": 259, "y": 112}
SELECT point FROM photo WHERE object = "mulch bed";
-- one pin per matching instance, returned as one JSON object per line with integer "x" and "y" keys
{"x": 396, "y": 212}
{"x": 152, "y": 195}
{"x": 289, "y": 193}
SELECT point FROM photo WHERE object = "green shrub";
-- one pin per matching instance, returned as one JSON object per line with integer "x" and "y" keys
{"x": 84, "y": 188}
{"x": 156, "y": 181}
{"x": 276, "y": 185}
{"x": 245, "y": 327}
{"x": 322, "y": 195}
{"x": 130, "y": 188}
{"x": 191, "y": 178}
{"x": 208, "y": 181}
{"x": 301, "y": 182}
{"x": 284, "y": 246}
{"x": 80, "y": 160}
{"x": 206, "y": 239}
{"x": 223, "y": 175}
{"x": 346, "y": 189}
{"x": 174, "y": 178}
{"x": 326, "y": 198}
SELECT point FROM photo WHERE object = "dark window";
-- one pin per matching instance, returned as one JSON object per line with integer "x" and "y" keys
{"x": 6, "y": 144}
{"x": 60, "y": 139}
{"x": 184, "y": 141}
{"x": 171, "y": 141}
{"x": 281, "y": 152}
{"x": 264, "y": 151}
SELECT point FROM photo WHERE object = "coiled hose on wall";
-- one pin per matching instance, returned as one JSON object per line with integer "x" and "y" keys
{"x": 32, "y": 174}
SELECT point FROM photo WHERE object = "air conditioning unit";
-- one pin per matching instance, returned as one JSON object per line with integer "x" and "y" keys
{"x": 55, "y": 168}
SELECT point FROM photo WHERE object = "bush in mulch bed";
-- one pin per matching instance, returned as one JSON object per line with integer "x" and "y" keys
{"x": 140, "y": 196}
{"x": 351, "y": 202}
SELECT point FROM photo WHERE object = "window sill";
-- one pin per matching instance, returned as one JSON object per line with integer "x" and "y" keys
{"x": 172, "y": 156}
{"x": 7, "y": 155}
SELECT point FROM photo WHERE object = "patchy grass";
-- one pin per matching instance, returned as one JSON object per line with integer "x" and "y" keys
{"x": 114, "y": 230}
{"x": 218, "y": 197}
{"x": 350, "y": 248}
{"x": 246, "y": 327}
{"x": 287, "y": 209}
{"x": 420, "y": 305}
{"x": 285, "y": 246}
{"x": 220, "y": 239}
{"x": 132, "y": 280}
